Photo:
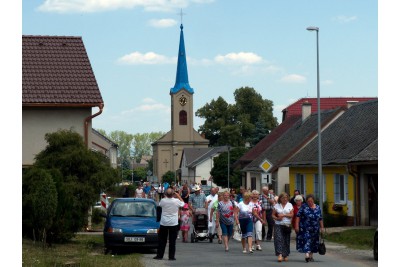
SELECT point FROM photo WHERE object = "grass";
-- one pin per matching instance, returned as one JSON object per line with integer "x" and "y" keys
{"x": 82, "y": 251}
{"x": 354, "y": 238}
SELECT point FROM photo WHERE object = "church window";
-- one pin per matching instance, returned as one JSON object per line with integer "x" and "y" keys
{"x": 182, "y": 117}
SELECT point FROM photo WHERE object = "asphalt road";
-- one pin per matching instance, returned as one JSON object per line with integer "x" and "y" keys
{"x": 208, "y": 254}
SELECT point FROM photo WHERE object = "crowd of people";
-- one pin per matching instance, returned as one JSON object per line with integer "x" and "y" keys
{"x": 256, "y": 216}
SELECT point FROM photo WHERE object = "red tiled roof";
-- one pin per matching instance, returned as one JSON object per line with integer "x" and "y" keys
{"x": 326, "y": 103}
{"x": 268, "y": 140}
{"x": 56, "y": 70}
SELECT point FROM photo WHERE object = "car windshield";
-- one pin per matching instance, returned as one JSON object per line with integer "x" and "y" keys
{"x": 133, "y": 209}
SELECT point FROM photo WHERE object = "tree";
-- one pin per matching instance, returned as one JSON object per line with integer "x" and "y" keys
{"x": 168, "y": 177}
{"x": 140, "y": 173}
{"x": 142, "y": 144}
{"x": 79, "y": 175}
{"x": 124, "y": 141}
{"x": 40, "y": 201}
{"x": 236, "y": 124}
{"x": 220, "y": 170}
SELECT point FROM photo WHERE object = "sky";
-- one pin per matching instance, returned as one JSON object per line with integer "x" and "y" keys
{"x": 133, "y": 45}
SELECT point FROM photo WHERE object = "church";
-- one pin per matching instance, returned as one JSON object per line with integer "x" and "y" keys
{"x": 167, "y": 151}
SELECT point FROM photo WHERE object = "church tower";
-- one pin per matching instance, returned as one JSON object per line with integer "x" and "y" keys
{"x": 167, "y": 151}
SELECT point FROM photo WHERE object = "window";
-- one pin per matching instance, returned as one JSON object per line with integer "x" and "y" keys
{"x": 340, "y": 188}
{"x": 300, "y": 182}
{"x": 182, "y": 117}
{"x": 253, "y": 183}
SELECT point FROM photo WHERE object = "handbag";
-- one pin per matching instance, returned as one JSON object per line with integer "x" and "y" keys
{"x": 321, "y": 246}
{"x": 237, "y": 235}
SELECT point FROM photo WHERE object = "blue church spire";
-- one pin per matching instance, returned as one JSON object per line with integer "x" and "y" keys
{"x": 182, "y": 80}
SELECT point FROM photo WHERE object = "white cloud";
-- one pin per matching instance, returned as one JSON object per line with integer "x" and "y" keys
{"x": 327, "y": 82}
{"x": 162, "y": 23}
{"x": 148, "y": 105}
{"x": 239, "y": 58}
{"x": 148, "y": 100}
{"x": 293, "y": 78}
{"x": 149, "y": 58}
{"x": 202, "y": 1}
{"x": 345, "y": 19}
{"x": 86, "y": 6}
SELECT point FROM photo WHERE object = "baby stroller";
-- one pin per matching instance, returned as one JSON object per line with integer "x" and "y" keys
{"x": 200, "y": 226}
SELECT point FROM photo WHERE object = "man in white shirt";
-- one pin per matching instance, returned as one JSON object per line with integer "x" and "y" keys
{"x": 170, "y": 205}
{"x": 210, "y": 199}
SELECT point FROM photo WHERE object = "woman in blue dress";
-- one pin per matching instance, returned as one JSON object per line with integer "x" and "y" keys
{"x": 308, "y": 225}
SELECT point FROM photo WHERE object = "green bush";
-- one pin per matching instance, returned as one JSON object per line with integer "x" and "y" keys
{"x": 40, "y": 200}
{"x": 79, "y": 175}
{"x": 96, "y": 216}
{"x": 333, "y": 220}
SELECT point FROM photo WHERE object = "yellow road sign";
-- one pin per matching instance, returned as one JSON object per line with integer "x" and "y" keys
{"x": 266, "y": 165}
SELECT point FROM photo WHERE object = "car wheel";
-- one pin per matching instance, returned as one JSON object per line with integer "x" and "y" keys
{"x": 106, "y": 250}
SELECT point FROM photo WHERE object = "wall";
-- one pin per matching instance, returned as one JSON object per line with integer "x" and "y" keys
{"x": 36, "y": 122}
{"x": 329, "y": 173}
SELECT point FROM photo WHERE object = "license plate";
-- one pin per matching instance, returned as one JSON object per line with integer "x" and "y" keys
{"x": 134, "y": 239}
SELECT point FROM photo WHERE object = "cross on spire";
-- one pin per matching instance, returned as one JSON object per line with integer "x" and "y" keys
{"x": 181, "y": 14}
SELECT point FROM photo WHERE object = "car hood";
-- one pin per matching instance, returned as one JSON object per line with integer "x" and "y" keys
{"x": 134, "y": 224}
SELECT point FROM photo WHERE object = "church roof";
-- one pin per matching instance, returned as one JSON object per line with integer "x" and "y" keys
{"x": 182, "y": 79}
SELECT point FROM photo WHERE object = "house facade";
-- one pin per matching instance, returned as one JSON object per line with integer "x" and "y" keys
{"x": 105, "y": 146}
{"x": 298, "y": 127}
{"x": 196, "y": 164}
{"x": 349, "y": 165}
{"x": 59, "y": 91}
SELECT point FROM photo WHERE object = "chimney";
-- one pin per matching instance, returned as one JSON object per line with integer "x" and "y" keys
{"x": 305, "y": 110}
{"x": 351, "y": 103}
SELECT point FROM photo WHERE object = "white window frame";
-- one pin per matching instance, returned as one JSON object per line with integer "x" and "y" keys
{"x": 300, "y": 183}
{"x": 340, "y": 188}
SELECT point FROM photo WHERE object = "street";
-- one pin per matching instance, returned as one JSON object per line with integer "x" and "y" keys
{"x": 204, "y": 253}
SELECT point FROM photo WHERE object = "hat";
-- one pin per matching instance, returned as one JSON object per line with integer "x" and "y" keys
{"x": 196, "y": 188}
{"x": 186, "y": 206}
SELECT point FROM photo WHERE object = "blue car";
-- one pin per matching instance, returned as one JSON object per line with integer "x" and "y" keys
{"x": 131, "y": 222}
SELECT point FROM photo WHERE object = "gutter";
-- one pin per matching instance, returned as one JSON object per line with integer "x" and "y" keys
{"x": 356, "y": 186}
{"x": 88, "y": 119}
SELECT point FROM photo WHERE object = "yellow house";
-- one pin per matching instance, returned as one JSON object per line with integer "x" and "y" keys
{"x": 349, "y": 165}
{"x": 339, "y": 187}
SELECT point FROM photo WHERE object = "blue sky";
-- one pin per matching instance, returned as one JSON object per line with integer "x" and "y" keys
{"x": 133, "y": 45}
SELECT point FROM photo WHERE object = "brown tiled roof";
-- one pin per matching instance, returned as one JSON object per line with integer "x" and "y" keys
{"x": 56, "y": 71}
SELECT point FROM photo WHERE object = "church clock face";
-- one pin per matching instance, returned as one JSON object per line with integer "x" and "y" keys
{"x": 182, "y": 100}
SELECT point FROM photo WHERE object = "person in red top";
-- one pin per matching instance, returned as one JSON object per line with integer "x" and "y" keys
{"x": 298, "y": 201}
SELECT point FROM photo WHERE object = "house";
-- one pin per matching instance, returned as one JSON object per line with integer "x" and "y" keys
{"x": 105, "y": 146}
{"x": 255, "y": 176}
{"x": 196, "y": 164}
{"x": 59, "y": 91}
{"x": 350, "y": 165}
{"x": 290, "y": 142}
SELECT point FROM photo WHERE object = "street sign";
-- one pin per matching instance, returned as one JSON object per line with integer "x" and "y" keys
{"x": 265, "y": 178}
{"x": 266, "y": 165}
{"x": 149, "y": 173}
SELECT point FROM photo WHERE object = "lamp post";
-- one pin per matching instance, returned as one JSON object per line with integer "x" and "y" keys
{"x": 229, "y": 148}
{"x": 320, "y": 178}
